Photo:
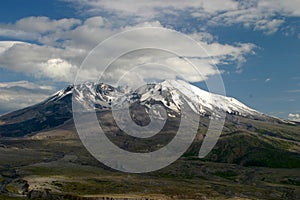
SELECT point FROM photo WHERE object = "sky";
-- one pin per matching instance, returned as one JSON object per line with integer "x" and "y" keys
{"x": 255, "y": 44}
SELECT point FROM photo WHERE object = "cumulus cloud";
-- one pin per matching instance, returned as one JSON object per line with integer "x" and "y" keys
{"x": 8, "y": 44}
{"x": 17, "y": 34}
{"x": 13, "y": 93}
{"x": 57, "y": 68}
{"x": 294, "y": 117}
{"x": 40, "y": 61}
{"x": 211, "y": 52}
{"x": 62, "y": 51}
{"x": 88, "y": 35}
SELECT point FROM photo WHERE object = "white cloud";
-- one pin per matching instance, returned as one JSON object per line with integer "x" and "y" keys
{"x": 260, "y": 15}
{"x": 26, "y": 85}
{"x": 13, "y": 93}
{"x": 88, "y": 35}
{"x": 265, "y": 15}
{"x": 60, "y": 62}
{"x": 287, "y": 7}
{"x": 44, "y": 24}
{"x": 149, "y": 9}
{"x": 268, "y": 26}
{"x": 213, "y": 51}
{"x": 203, "y": 36}
{"x": 37, "y": 28}
{"x": 57, "y": 68}
{"x": 268, "y": 80}
{"x": 8, "y": 44}
{"x": 294, "y": 117}
{"x": 17, "y": 34}
{"x": 40, "y": 61}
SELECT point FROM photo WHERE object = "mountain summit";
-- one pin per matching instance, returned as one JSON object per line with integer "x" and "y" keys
{"x": 171, "y": 94}
{"x": 248, "y": 138}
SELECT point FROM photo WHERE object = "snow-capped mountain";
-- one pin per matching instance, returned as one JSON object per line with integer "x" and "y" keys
{"x": 171, "y": 94}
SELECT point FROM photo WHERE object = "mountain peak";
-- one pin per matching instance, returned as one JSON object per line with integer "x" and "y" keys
{"x": 169, "y": 92}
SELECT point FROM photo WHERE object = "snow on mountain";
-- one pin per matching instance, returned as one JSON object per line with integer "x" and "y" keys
{"x": 202, "y": 100}
{"x": 170, "y": 93}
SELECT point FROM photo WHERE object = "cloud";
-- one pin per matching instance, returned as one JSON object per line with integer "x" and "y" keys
{"x": 294, "y": 117}
{"x": 212, "y": 53}
{"x": 149, "y": 9}
{"x": 8, "y": 44}
{"x": 268, "y": 26}
{"x": 26, "y": 85}
{"x": 57, "y": 68}
{"x": 13, "y": 93}
{"x": 40, "y": 61}
{"x": 35, "y": 28}
{"x": 262, "y": 15}
{"x": 17, "y": 34}
{"x": 44, "y": 24}
{"x": 258, "y": 17}
{"x": 61, "y": 52}
{"x": 88, "y": 35}
{"x": 55, "y": 48}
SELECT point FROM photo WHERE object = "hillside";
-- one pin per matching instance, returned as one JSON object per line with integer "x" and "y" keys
{"x": 256, "y": 157}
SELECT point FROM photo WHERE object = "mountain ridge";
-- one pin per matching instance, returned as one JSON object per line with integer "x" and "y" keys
{"x": 57, "y": 109}
{"x": 255, "y": 155}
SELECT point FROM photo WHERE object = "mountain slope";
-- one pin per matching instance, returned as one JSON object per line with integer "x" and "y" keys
{"x": 248, "y": 138}
{"x": 50, "y": 162}
{"x": 58, "y": 108}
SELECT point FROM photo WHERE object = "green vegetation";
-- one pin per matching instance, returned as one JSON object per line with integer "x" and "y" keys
{"x": 11, "y": 188}
{"x": 260, "y": 162}
{"x": 273, "y": 158}
{"x": 226, "y": 174}
{"x": 290, "y": 181}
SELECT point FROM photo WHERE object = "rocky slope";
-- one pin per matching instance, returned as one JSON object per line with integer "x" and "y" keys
{"x": 57, "y": 109}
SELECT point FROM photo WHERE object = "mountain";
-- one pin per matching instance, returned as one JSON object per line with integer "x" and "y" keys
{"x": 261, "y": 135}
{"x": 57, "y": 109}
{"x": 42, "y": 157}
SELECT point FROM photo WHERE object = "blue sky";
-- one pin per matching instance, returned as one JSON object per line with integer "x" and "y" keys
{"x": 255, "y": 43}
